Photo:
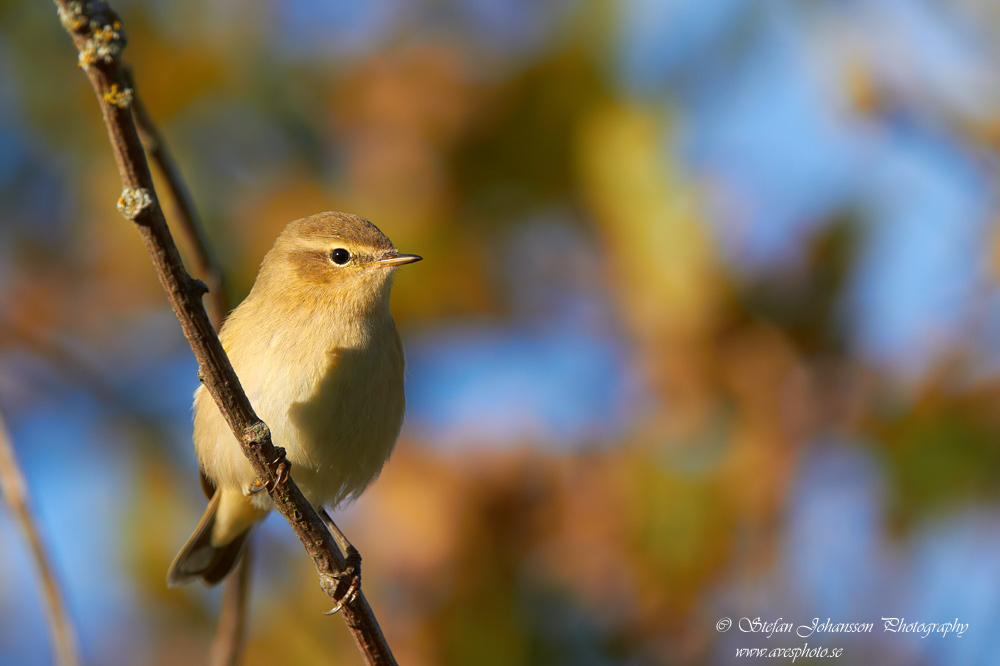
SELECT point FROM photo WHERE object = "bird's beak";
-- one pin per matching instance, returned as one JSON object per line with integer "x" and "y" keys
{"x": 396, "y": 259}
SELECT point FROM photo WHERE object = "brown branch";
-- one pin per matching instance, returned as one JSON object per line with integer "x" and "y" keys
{"x": 182, "y": 205}
{"x": 15, "y": 491}
{"x": 97, "y": 34}
{"x": 69, "y": 362}
{"x": 227, "y": 647}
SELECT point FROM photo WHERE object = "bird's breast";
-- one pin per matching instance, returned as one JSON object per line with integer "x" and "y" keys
{"x": 335, "y": 405}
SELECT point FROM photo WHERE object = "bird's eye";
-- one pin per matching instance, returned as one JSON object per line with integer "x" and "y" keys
{"x": 340, "y": 256}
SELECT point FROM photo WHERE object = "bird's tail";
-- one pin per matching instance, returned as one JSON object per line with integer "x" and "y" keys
{"x": 209, "y": 555}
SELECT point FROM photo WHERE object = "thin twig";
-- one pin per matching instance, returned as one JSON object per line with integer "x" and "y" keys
{"x": 97, "y": 33}
{"x": 227, "y": 647}
{"x": 206, "y": 266}
{"x": 69, "y": 362}
{"x": 14, "y": 488}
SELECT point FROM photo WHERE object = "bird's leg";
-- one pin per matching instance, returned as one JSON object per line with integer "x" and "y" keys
{"x": 349, "y": 580}
{"x": 342, "y": 541}
{"x": 280, "y": 466}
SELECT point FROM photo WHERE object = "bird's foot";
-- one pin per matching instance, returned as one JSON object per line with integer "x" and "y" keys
{"x": 280, "y": 467}
{"x": 348, "y": 581}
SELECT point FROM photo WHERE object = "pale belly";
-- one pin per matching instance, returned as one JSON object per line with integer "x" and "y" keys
{"x": 336, "y": 413}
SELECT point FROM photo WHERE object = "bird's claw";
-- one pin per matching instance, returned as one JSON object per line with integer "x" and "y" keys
{"x": 280, "y": 466}
{"x": 348, "y": 580}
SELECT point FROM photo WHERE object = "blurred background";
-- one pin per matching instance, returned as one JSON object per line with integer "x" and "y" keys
{"x": 708, "y": 325}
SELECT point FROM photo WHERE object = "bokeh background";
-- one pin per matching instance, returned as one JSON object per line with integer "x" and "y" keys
{"x": 708, "y": 325}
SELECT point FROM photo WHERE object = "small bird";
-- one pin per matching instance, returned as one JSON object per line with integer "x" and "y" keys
{"x": 317, "y": 352}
